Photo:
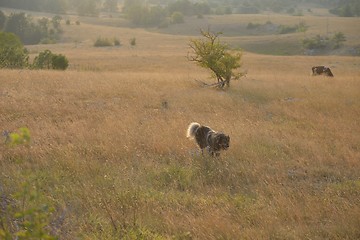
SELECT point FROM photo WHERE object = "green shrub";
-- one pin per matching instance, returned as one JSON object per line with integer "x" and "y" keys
{"x": 21, "y": 138}
{"x": 317, "y": 42}
{"x": 59, "y": 62}
{"x": 103, "y": 42}
{"x": 43, "y": 60}
{"x": 133, "y": 42}
{"x": 253, "y": 25}
{"x": 12, "y": 51}
{"x": 301, "y": 27}
{"x": 283, "y": 29}
{"x": 30, "y": 214}
{"x": 48, "y": 60}
{"x": 26, "y": 209}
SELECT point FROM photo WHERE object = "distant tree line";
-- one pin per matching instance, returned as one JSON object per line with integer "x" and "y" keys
{"x": 347, "y": 8}
{"x": 54, "y": 6}
{"x": 82, "y": 7}
{"x": 142, "y": 13}
{"x": 29, "y": 31}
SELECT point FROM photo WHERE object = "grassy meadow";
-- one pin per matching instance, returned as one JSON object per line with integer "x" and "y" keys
{"x": 108, "y": 151}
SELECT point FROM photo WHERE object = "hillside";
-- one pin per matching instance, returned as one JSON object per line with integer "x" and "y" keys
{"x": 260, "y": 40}
{"x": 108, "y": 156}
{"x": 263, "y": 37}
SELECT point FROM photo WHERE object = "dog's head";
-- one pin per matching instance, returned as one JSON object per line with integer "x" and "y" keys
{"x": 221, "y": 141}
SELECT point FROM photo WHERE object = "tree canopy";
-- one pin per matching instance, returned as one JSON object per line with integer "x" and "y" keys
{"x": 210, "y": 53}
{"x": 12, "y": 52}
{"x": 30, "y": 31}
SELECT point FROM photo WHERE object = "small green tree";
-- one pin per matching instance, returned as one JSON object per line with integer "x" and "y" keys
{"x": 43, "y": 60}
{"x": 12, "y": 51}
{"x": 211, "y": 54}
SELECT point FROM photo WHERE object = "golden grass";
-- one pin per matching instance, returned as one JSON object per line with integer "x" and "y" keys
{"x": 109, "y": 150}
{"x": 118, "y": 137}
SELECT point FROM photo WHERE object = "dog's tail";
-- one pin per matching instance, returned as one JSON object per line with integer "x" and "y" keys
{"x": 190, "y": 133}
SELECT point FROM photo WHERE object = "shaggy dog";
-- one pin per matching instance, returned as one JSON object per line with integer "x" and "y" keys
{"x": 207, "y": 138}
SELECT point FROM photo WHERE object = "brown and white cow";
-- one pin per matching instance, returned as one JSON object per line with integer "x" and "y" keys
{"x": 321, "y": 70}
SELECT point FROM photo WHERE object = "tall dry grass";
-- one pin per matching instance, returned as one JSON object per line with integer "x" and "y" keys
{"x": 108, "y": 147}
{"x": 109, "y": 151}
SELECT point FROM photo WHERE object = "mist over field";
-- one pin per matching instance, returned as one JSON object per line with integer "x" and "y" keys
{"x": 96, "y": 97}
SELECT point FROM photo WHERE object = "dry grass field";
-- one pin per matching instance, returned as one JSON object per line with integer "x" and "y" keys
{"x": 108, "y": 149}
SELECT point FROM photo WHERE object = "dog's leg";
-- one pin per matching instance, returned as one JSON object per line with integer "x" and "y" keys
{"x": 211, "y": 152}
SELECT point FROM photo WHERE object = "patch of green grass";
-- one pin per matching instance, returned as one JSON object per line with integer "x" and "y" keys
{"x": 174, "y": 177}
{"x": 348, "y": 188}
{"x": 255, "y": 96}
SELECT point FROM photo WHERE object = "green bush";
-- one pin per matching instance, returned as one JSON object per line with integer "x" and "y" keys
{"x": 30, "y": 214}
{"x": 283, "y": 29}
{"x": 48, "y": 60}
{"x": 12, "y": 51}
{"x": 27, "y": 208}
{"x": 317, "y": 42}
{"x": 103, "y": 42}
{"x": 106, "y": 42}
{"x": 133, "y": 42}
{"x": 43, "y": 60}
{"x": 301, "y": 27}
{"x": 21, "y": 138}
{"x": 253, "y": 25}
{"x": 59, "y": 62}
